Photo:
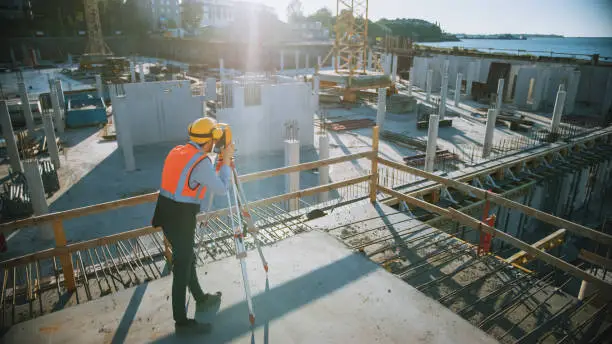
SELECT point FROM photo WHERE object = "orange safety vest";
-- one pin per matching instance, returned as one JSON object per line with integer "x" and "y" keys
{"x": 175, "y": 176}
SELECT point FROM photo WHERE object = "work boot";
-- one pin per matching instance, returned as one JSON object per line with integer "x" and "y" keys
{"x": 191, "y": 327}
{"x": 207, "y": 301}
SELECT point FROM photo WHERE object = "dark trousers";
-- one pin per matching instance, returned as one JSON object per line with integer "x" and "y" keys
{"x": 181, "y": 235}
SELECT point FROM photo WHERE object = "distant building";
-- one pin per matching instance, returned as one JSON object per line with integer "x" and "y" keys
{"x": 221, "y": 13}
{"x": 15, "y": 9}
{"x": 160, "y": 13}
{"x": 310, "y": 30}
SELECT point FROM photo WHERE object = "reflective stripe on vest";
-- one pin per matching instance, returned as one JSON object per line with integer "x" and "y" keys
{"x": 179, "y": 189}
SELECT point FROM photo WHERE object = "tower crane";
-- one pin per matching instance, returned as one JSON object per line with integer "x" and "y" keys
{"x": 97, "y": 51}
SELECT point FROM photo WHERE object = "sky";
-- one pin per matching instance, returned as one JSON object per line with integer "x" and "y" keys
{"x": 573, "y": 18}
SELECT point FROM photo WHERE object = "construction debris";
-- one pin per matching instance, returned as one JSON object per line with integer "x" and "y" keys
{"x": 399, "y": 104}
{"x": 404, "y": 140}
{"x": 350, "y": 124}
{"x": 419, "y": 159}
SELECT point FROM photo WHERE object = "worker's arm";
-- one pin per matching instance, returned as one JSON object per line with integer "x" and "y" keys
{"x": 204, "y": 174}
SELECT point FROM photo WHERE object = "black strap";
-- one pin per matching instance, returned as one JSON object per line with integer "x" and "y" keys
{"x": 200, "y": 135}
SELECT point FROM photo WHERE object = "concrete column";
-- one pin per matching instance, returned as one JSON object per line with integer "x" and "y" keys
{"x": 141, "y": 70}
{"x": 9, "y": 137}
{"x": 70, "y": 59}
{"x": 470, "y": 78}
{"x": 410, "y": 81}
{"x": 369, "y": 60}
{"x": 489, "y": 131}
{"x": 315, "y": 91}
{"x": 389, "y": 62}
{"x": 57, "y": 111}
{"x": 60, "y": 94}
{"x": 282, "y": 61}
{"x": 99, "y": 86}
{"x": 307, "y": 63}
{"x": 558, "y": 110}
{"x": 432, "y": 139}
{"x": 382, "y": 108}
{"x": 607, "y": 101}
{"x": 394, "y": 68}
{"x": 221, "y": 69}
{"x": 25, "y": 108}
{"x": 443, "y": 92}
{"x": 333, "y": 61}
{"x": 38, "y": 55}
{"x": 323, "y": 170}
{"x": 292, "y": 180}
{"x": 211, "y": 89}
{"x": 360, "y": 62}
{"x": 319, "y": 62}
{"x": 572, "y": 91}
{"x": 132, "y": 72}
{"x": 428, "y": 86}
{"x": 36, "y": 190}
{"x": 297, "y": 62}
{"x": 51, "y": 143}
{"x": 124, "y": 134}
{"x": 458, "y": 88}
{"x": 500, "y": 96}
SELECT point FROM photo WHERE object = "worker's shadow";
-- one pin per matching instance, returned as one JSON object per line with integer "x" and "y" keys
{"x": 209, "y": 315}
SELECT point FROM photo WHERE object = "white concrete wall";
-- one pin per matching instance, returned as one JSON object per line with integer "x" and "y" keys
{"x": 260, "y": 128}
{"x": 158, "y": 111}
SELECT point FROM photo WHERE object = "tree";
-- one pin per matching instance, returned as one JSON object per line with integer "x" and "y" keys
{"x": 323, "y": 15}
{"x": 294, "y": 11}
{"x": 191, "y": 14}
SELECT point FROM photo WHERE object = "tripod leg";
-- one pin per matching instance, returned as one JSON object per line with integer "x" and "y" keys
{"x": 249, "y": 220}
{"x": 240, "y": 250}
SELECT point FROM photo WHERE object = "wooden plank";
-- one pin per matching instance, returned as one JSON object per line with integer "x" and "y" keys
{"x": 296, "y": 194}
{"x": 486, "y": 195}
{"x": 596, "y": 259}
{"x": 478, "y": 225}
{"x": 6, "y": 228}
{"x": 374, "y": 180}
{"x": 540, "y": 245}
{"x": 302, "y": 167}
{"x": 111, "y": 239}
{"x": 65, "y": 257}
{"x": 31, "y": 258}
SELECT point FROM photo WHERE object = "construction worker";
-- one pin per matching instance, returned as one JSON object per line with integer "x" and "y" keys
{"x": 188, "y": 175}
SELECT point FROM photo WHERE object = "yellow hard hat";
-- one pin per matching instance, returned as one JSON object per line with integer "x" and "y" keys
{"x": 203, "y": 130}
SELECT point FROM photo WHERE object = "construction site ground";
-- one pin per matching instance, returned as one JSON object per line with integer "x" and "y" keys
{"x": 316, "y": 291}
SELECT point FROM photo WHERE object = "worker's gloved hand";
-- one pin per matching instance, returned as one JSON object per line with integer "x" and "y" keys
{"x": 228, "y": 154}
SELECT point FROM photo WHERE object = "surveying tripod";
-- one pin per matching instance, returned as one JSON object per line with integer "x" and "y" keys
{"x": 242, "y": 223}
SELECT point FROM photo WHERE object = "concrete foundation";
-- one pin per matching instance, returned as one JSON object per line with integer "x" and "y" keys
{"x": 211, "y": 89}
{"x": 36, "y": 190}
{"x": 282, "y": 61}
{"x": 298, "y": 295}
{"x": 221, "y": 69}
{"x": 432, "y": 140}
{"x": 9, "y": 137}
{"x": 51, "y": 142}
{"x": 489, "y": 131}
{"x": 292, "y": 180}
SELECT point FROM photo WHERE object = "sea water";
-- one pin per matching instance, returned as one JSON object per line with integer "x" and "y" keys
{"x": 577, "y": 47}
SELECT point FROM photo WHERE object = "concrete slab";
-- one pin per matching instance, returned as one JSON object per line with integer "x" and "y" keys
{"x": 333, "y": 296}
